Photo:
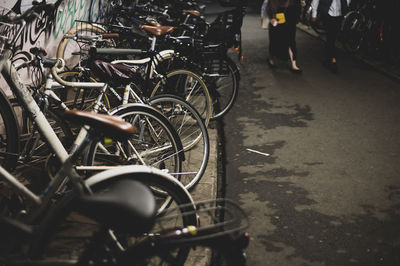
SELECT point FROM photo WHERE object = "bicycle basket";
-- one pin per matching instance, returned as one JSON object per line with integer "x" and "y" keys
{"x": 224, "y": 28}
{"x": 213, "y": 60}
{"x": 217, "y": 217}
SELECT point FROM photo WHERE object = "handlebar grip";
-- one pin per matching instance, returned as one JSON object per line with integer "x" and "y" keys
{"x": 110, "y": 35}
{"x": 118, "y": 51}
{"x": 49, "y": 62}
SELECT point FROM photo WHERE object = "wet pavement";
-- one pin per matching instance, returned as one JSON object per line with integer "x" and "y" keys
{"x": 326, "y": 191}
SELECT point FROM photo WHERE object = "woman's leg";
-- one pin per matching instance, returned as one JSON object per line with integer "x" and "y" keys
{"x": 272, "y": 48}
{"x": 292, "y": 47}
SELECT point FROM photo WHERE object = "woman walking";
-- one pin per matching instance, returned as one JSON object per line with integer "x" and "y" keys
{"x": 283, "y": 15}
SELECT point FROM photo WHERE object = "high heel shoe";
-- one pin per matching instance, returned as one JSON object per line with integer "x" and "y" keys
{"x": 271, "y": 65}
{"x": 294, "y": 68}
{"x": 296, "y": 71}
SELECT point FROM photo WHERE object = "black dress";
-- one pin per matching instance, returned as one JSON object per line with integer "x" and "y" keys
{"x": 283, "y": 36}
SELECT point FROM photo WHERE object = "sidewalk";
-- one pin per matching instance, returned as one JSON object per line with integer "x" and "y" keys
{"x": 207, "y": 189}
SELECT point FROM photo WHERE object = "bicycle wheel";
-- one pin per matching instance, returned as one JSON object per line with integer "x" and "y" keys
{"x": 154, "y": 178}
{"x": 36, "y": 152}
{"x": 9, "y": 134}
{"x": 192, "y": 132}
{"x": 224, "y": 88}
{"x": 155, "y": 142}
{"x": 75, "y": 50}
{"x": 352, "y": 32}
{"x": 190, "y": 87}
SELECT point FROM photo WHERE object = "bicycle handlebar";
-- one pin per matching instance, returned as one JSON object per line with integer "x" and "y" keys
{"x": 59, "y": 66}
{"x": 119, "y": 51}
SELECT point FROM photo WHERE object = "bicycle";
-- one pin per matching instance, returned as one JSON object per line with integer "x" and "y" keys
{"x": 10, "y": 134}
{"x": 75, "y": 46}
{"x": 205, "y": 46}
{"x": 112, "y": 208}
{"x": 183, "y": 117}
{"x": 363, "y": 28}
{"x": 218, "y": 70}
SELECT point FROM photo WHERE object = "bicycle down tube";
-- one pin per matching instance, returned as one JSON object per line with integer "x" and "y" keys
{"x": 21, "y": 91}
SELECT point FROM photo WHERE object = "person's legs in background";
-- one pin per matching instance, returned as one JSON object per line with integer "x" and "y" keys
{"x": 293, "y": 49}
{"x": 332, "y": 27}
{"x": 272, "y": 34}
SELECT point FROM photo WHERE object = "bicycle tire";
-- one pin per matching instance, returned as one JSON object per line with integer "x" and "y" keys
{"x": 352, "y": 32}
{"x": 223, "y": 93}
{"x": 161, "y": 151}
{"x": 240, "y": 52}
{"x": 9, "y": 134}
{"x": 192, "y": 132}
{"x": 162, "y": 256}
{"x": 190, "y": 87}
{"x": 68, "y": 46}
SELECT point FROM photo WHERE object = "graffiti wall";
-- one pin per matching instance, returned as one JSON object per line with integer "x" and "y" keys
{"x": 48, "y": 30}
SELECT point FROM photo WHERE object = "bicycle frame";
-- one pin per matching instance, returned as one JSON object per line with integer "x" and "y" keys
{"x": 98, "y": 106}
{"x": 24, "y": 95}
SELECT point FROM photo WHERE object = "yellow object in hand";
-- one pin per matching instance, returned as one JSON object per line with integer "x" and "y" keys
{"x": 281, "y": 18}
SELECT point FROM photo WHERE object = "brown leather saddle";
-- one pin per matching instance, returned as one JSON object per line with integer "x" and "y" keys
{"x": 158, "y": 30}
{"x": 192, "y": 12}
{"x": 110, "y": 126}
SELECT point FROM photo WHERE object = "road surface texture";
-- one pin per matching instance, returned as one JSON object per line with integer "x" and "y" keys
{"x": 327, "y": 189}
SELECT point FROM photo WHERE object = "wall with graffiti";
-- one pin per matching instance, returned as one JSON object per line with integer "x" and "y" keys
{"x": 48, "y": 30}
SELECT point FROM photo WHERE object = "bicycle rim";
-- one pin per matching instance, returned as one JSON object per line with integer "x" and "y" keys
{"x": 153, "y": 144}
{"x": 192, "y": 132}
{"x": 190, "y": 87}
{"x": 352, "y": 33}
{"x": 72, "y": 51}
{"x": 226, "y": 90}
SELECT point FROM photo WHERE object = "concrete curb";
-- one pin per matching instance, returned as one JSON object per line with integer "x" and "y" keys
{"x": 208, "y": 188}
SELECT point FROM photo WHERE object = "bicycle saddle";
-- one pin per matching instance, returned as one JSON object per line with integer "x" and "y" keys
{"x": 158, "y": 30}
{"x": 111, "y": 126}
{"x": 126, "y": 206}
{"x": 192, "y": 12}
{"x": 115, "y": 74}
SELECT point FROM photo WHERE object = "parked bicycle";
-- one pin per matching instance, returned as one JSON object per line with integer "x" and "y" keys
{"x": 210, "y": 61}
{"x": 125, "y": 206}
{"x": 167, "y": 148}
{"x": 365, "y": 28}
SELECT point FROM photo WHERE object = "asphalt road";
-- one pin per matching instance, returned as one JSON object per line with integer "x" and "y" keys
{"x": 329, "y": 191}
